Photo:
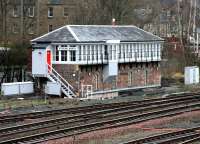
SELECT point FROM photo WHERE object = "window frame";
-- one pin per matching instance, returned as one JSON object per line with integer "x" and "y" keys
{"x": 50, "y": 12}
{"x": 65, "y": 10}
{"x": 14, "y": 28}
{"x": 50, "y": 28}
{"x": 31, "y": 29}
{"x": 64, "y": 55}
{"x": 72, "y": 55}
{"x": 15, "y": 11}
{"x": 31, "y": 14}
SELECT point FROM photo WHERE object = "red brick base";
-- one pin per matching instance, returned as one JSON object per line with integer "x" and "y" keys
{"x": 129, "y": 75}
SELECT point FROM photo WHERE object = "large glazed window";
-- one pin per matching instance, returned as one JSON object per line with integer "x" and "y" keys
{"x": 72, "y": 55}
{"x": 63, "y": 55}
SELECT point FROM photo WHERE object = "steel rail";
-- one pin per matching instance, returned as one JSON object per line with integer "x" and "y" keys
{"x": 187, "y": 135}
{"x": 196, "y": 139}
{"x": 104, "y": 124}
{"x": 88, "y": 116}
{"x": 33, "y": 115}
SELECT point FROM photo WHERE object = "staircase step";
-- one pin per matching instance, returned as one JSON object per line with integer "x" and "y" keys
{"x": 65, "y": 88}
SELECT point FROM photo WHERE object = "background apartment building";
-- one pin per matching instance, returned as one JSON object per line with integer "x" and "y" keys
{"x": 23, "y": 20}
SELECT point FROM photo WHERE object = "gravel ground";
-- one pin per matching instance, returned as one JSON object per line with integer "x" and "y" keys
{"x": 34, "y": 104}
{"x": 149, "y": 128}
{"x": 14, "y": 106}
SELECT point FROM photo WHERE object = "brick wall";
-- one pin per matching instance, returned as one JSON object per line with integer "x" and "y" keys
{"x": 142, "y": 75}
{"x": 70, "y": 73}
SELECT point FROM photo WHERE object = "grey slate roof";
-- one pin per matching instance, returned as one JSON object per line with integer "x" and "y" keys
{"x": 97, "y": 33}
{"x": 60, "y": 35}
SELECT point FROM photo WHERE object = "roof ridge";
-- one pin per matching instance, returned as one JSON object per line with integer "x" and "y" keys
{"x": 149, "y": 33}
{"x": 72, "y": 32}
{"x": 104, "y": 25}
{"x": 48, "y": 33}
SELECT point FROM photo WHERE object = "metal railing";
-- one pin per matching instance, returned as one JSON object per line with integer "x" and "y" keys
{"x": 61, "y": 80}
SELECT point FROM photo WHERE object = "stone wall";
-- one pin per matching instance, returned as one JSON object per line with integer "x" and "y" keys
{"x": 39, "y": 23}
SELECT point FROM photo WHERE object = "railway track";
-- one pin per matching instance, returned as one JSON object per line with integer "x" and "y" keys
{"x": 35, "y": 115}
{"x": 97, "y": 120}
{"x": 87, "y": 116}
{"x": 186, "y": 136}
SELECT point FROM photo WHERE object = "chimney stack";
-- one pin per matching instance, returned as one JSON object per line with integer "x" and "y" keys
{"x": 113, "y": 22}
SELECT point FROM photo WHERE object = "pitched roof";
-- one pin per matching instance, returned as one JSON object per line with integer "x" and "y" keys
{"x": 97, "y": 33}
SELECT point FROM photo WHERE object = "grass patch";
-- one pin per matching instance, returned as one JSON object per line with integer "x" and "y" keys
{"x": 11, "y": 104}
{"x": 27, "y": 103}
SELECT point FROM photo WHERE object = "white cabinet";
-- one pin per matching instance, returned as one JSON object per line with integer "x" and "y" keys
{"x": 17, "y": 88}
{"x": 39, "y": 64}
{"x": 191, "y": 75}
{"x": 53, "y": 88}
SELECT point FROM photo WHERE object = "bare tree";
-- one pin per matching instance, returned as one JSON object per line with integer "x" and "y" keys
{"x": 3, "y": 18}
{"x": 145, "y": 11}
{"x": 101, "y": 11}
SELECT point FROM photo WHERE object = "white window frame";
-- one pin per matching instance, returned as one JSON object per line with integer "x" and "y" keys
{"x": 31, "y": 11}
{"x": 56, "y": 53}
{"x": 31, "y": 29}
{"x": 65, "y": 11}
{"x": 64, "y": 55}
{"x": 14, "y": 28}
{"x": 72, "y": 56}
{"x": 15, "y": 11}
{"x": 49, "y": 12}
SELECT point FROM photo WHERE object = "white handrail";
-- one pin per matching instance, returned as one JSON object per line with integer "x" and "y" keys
{"x": 59, "y": 76}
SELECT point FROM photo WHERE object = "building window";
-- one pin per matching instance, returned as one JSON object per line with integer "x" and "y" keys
{"x": 105, "y": 52}
{"x": 31, "y": 11}
{"x": 84, "y": 53}
{"x": 15, "y": 28}
{"x": 57, "y": 54}
{"x": 138, "y": 51}
{"x": 80, "y": 53}
{"x": 130, "y": 78}
{"x": 88, "y": 53}
{"x": 110, "y": 52}
{"x": 50, "y": 28}
{"x": 31, "y": 29}
{"x": 65, "y": 12}
{"x": 157, "y": 51}
{"x": 151, "y": 51}
{"x": 96, "y": 52}
{"x": 126, "y": 50}
{"x": 114, "y": 52}
{"x": 92, "y": 52}
{"x": 50, "y": 12}
{"x": 120, "y": 51}
{"x": 72, "y": 55}
{"x": 63, "y": 55}
{"x": 147, "y": 51}
{"x": 15, "y": 11}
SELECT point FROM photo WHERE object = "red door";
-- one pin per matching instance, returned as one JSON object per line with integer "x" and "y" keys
{"x": 49, "y": 60}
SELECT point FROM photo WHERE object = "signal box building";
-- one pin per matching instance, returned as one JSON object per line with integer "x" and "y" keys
{"x": 98, "y": 60}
